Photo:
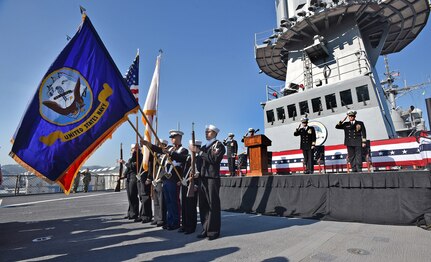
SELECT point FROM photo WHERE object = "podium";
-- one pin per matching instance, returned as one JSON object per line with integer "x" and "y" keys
{"x": 258, "y": 154}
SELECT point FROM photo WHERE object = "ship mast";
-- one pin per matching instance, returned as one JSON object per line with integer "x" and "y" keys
{"x": 392, "y": 91}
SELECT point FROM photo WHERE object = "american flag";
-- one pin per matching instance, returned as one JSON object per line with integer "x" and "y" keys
{"x": 132, "y": 77}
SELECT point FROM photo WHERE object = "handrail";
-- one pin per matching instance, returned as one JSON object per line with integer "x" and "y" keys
{"x": 361, "y": 59}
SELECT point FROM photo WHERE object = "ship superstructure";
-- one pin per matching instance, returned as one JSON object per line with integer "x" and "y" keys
{"x": 326, "y": 52}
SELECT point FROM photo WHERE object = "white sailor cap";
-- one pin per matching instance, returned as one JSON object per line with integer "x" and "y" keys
{"x": 351, "y": 113}
{"x": 164, "y": 141}
{"x": 230, "y": 135}
{"x": 132, "y": 146}
{"x": 212, "y": 128}
{"x": 173, "y": 133}
{"x": 197, "y": 142}
{"x": 251, "y": 130}
{"x": 304, "y": 120}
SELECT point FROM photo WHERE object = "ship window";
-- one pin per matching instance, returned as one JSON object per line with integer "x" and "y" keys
{"x": 346, "y": 97}
{"x": 280, "y": 113}
{"x": 270, "y": 116}
{"x": 303, "y": 108}
{"x": 291, "y": 111}
{"x": 316, "y": 104}
{"x": 330, "y": 102}
{"x": 362, "y": 93}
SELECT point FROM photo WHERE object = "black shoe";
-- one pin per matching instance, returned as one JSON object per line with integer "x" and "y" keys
{"x": 153, "y": 223}
{"x": 213, "y": 237}
{"x": 170, "y": 228}
{"x": 165, "y": 227}
{"x": 137, "y": 219}
{"x": 202, "y": 235}
{"x": 160, "y": 224}
{"x": 181, "y": 230}
{"x": 146, "y": 220}
{"x": 126, "y": 217}
{"x": 132, "y": 218}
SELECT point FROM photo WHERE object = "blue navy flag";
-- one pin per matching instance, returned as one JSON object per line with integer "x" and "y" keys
{"x": 132, "y": 77}
{"x": 79, "y": 103}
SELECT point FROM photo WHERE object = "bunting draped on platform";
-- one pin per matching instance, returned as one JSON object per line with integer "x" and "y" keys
{"x": 79, "y": 103}
{"x": 150, "y": 110}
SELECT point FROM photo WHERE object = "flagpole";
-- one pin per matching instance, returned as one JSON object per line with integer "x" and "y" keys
{"x": 142, "y": 112}
{"x": 157, "y": 107}
{"x": 137, "y": 144}
{"x": 137, "y": 127}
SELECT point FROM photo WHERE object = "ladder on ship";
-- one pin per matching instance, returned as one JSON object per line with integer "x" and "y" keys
{"x": 308, "y": 73}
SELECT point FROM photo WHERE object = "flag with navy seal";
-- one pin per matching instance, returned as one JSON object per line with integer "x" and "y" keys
{"x": 79, "y": 103}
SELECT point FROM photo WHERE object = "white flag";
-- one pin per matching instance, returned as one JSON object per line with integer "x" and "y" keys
{"x": 150, "y": 110}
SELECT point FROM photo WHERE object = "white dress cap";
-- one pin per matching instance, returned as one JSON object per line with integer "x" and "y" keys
{"x": 212, "y": 127}
{"x": 197, "y": 142}
{"x": 173, "y": 133}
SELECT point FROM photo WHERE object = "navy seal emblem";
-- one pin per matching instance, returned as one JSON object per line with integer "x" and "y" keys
{"x": 65, "y": 97}
{"x": 321, "y": 132}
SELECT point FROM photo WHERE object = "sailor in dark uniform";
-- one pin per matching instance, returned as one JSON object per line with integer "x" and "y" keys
{"x": 132, "y": 183}
{"x": 250, "y": 133}
{"x": 209, "y": 157}
{"x": 308, "y": 142}
{"x": 189, "y": 203}
{"x": 232, "y": 150}
{"x": 144, "y": 190}
{"x": 355, "y": 138}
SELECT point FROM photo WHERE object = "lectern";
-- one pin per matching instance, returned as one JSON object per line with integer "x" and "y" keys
{"x": 258, "y": 154}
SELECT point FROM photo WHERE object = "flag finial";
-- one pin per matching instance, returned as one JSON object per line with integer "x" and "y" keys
{"x": 82, "y": 9}
{"x": 83, "y": 12}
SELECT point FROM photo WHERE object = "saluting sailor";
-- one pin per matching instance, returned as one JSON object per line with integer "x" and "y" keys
{"x": 232, "y": 150}
{"x": 355, "y": 138}
{"x": 307, "y": 144}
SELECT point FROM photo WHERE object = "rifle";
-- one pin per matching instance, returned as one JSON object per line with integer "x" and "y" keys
{"x": 117, "y": 187}
{"x": 191, "y": 186}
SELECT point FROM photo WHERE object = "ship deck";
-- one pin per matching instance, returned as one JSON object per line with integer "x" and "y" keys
{"x": 90, "y": 227}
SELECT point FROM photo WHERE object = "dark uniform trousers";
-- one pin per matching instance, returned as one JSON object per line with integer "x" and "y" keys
{"x": 132, "y": 195}
{"x": 144, "y": 188}
{"x": 209, "y": 205}
{"x": 132, "y": 186}
{"x": 146, "y": 211}
{"x": 208, "y": 163}
{"x": 354, "y": 135}
{"x": 308, "y": 140}
{"x": 188, "y": 211}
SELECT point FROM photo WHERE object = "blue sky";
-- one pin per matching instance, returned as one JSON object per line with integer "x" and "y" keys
{"x": 208, "y": 71}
